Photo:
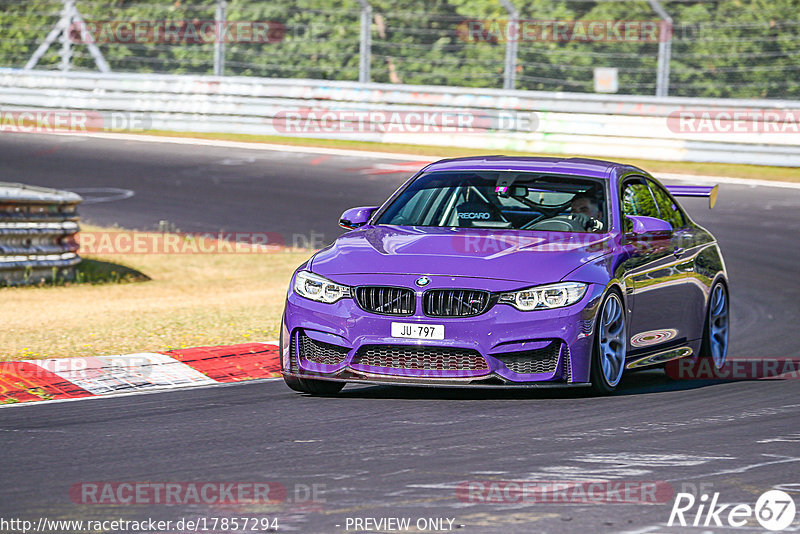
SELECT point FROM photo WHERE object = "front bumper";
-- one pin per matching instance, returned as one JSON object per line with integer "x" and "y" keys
{"x": 502, "y": 347}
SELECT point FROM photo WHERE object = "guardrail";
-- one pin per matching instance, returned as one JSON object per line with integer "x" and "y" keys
{"x": 37, "y": 234}
{"x": 554, "y": 123}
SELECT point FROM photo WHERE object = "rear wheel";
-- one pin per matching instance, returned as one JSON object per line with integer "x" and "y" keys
{"x": 715, "y": 336}
{"x": 610, "y": 345}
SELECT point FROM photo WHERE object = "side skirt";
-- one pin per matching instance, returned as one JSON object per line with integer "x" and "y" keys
{"x": 660, "y": 357}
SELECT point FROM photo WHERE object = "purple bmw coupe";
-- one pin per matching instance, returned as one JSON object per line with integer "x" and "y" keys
{"x": 503, "y": 271}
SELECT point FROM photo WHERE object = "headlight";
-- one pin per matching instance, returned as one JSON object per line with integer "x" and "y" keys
{"x": 545, "y": 297}
{"x": 315, "y": 287}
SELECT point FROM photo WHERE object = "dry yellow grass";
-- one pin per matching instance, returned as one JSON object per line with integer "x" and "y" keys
{"x": 191, "y": 300}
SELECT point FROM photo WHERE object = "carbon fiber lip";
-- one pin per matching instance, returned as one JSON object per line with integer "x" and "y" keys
{"x": 446, "y": 382}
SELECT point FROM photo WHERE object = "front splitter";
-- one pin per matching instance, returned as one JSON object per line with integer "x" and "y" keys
{"x": 483, "y": 382}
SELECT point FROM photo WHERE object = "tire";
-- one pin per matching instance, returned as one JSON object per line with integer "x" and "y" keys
{"x": 293, "y": 383}
{"x": 610, "y": 345}
{"x": 717, "y": 325}
{"x": 313, "y": 387}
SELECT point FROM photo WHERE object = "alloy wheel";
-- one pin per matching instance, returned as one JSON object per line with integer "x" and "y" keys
{"x": 612, "y": 346}
{"x": 718, "y": 325}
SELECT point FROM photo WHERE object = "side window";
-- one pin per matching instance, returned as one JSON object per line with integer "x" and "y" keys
{"x": 637, "y": 200}
{"x": 670, "y": 212}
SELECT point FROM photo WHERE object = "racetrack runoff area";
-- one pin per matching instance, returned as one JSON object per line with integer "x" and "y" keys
{"x": 410, "y": 449}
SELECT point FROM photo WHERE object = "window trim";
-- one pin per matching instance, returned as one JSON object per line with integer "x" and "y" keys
{"x": 605, "y": 184}
{"x": 688, "y": 223}
{"x": 651, "y": 183}
{"x": 624, "y": 183}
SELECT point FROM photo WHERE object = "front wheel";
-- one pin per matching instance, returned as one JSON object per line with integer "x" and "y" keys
{"x": 715, "y": 335}
{"x": 313, "y": 387}
{"x": 610, "y": 345}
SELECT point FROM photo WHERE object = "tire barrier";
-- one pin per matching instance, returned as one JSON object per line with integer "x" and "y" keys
{"x": 37, "y": 234}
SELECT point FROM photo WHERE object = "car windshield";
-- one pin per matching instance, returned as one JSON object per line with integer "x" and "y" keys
{"x": 506, "y": 199}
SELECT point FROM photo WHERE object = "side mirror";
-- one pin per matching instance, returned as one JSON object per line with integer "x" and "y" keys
{"x": 355, "y": 217}
{"x": 649, "y": 225}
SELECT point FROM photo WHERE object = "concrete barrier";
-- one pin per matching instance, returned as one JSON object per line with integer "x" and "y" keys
{"x": 760, "y": 132}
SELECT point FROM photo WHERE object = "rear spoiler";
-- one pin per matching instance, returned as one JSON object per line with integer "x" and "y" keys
{"x": 695, "y": 191}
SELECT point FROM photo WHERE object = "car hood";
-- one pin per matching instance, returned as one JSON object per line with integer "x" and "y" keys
{"x": 524, "y": 256}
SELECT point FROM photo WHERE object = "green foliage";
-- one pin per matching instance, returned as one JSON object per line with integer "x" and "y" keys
{"x": 720, "y": 48}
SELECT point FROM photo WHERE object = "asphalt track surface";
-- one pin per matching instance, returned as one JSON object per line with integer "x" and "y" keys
{"x": 385, "y": 452}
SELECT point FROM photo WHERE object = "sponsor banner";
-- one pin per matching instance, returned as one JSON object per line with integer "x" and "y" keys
{"x": 310, "y": 121}
{"x": 72, "y": 120}
{"x": 735, "y": 121}
{"x": 176, "y": 32}
{"x": 565, "y": 492}
{"x": 562, "y": 31}
{"x": 735, "y": 369}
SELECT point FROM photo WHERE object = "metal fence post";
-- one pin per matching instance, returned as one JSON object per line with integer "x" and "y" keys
{"x": 66, "y": 42}
{"x": 512, "y": 42}
{"x": 664, "y": 48}
{"x": 219, "y": 41}
{"x": 365, "y": 44}
{"x": 70, "y": 20}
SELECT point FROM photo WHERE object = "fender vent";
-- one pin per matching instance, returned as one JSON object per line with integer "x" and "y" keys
{"x": 537, "y": 361}
{"x": 322, "y": 353}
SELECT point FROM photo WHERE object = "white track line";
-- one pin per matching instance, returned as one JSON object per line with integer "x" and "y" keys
{"x": 141, "y": 392}
{"x": 255, "y": 146}
{"x": 726, "y": 180}
{"x": 390, "y": 155}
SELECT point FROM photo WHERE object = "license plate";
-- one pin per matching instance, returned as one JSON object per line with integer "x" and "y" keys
{"x": 418, "y": 331}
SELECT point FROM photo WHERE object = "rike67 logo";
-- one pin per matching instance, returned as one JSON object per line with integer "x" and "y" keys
{"x": 774, "y": 510}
